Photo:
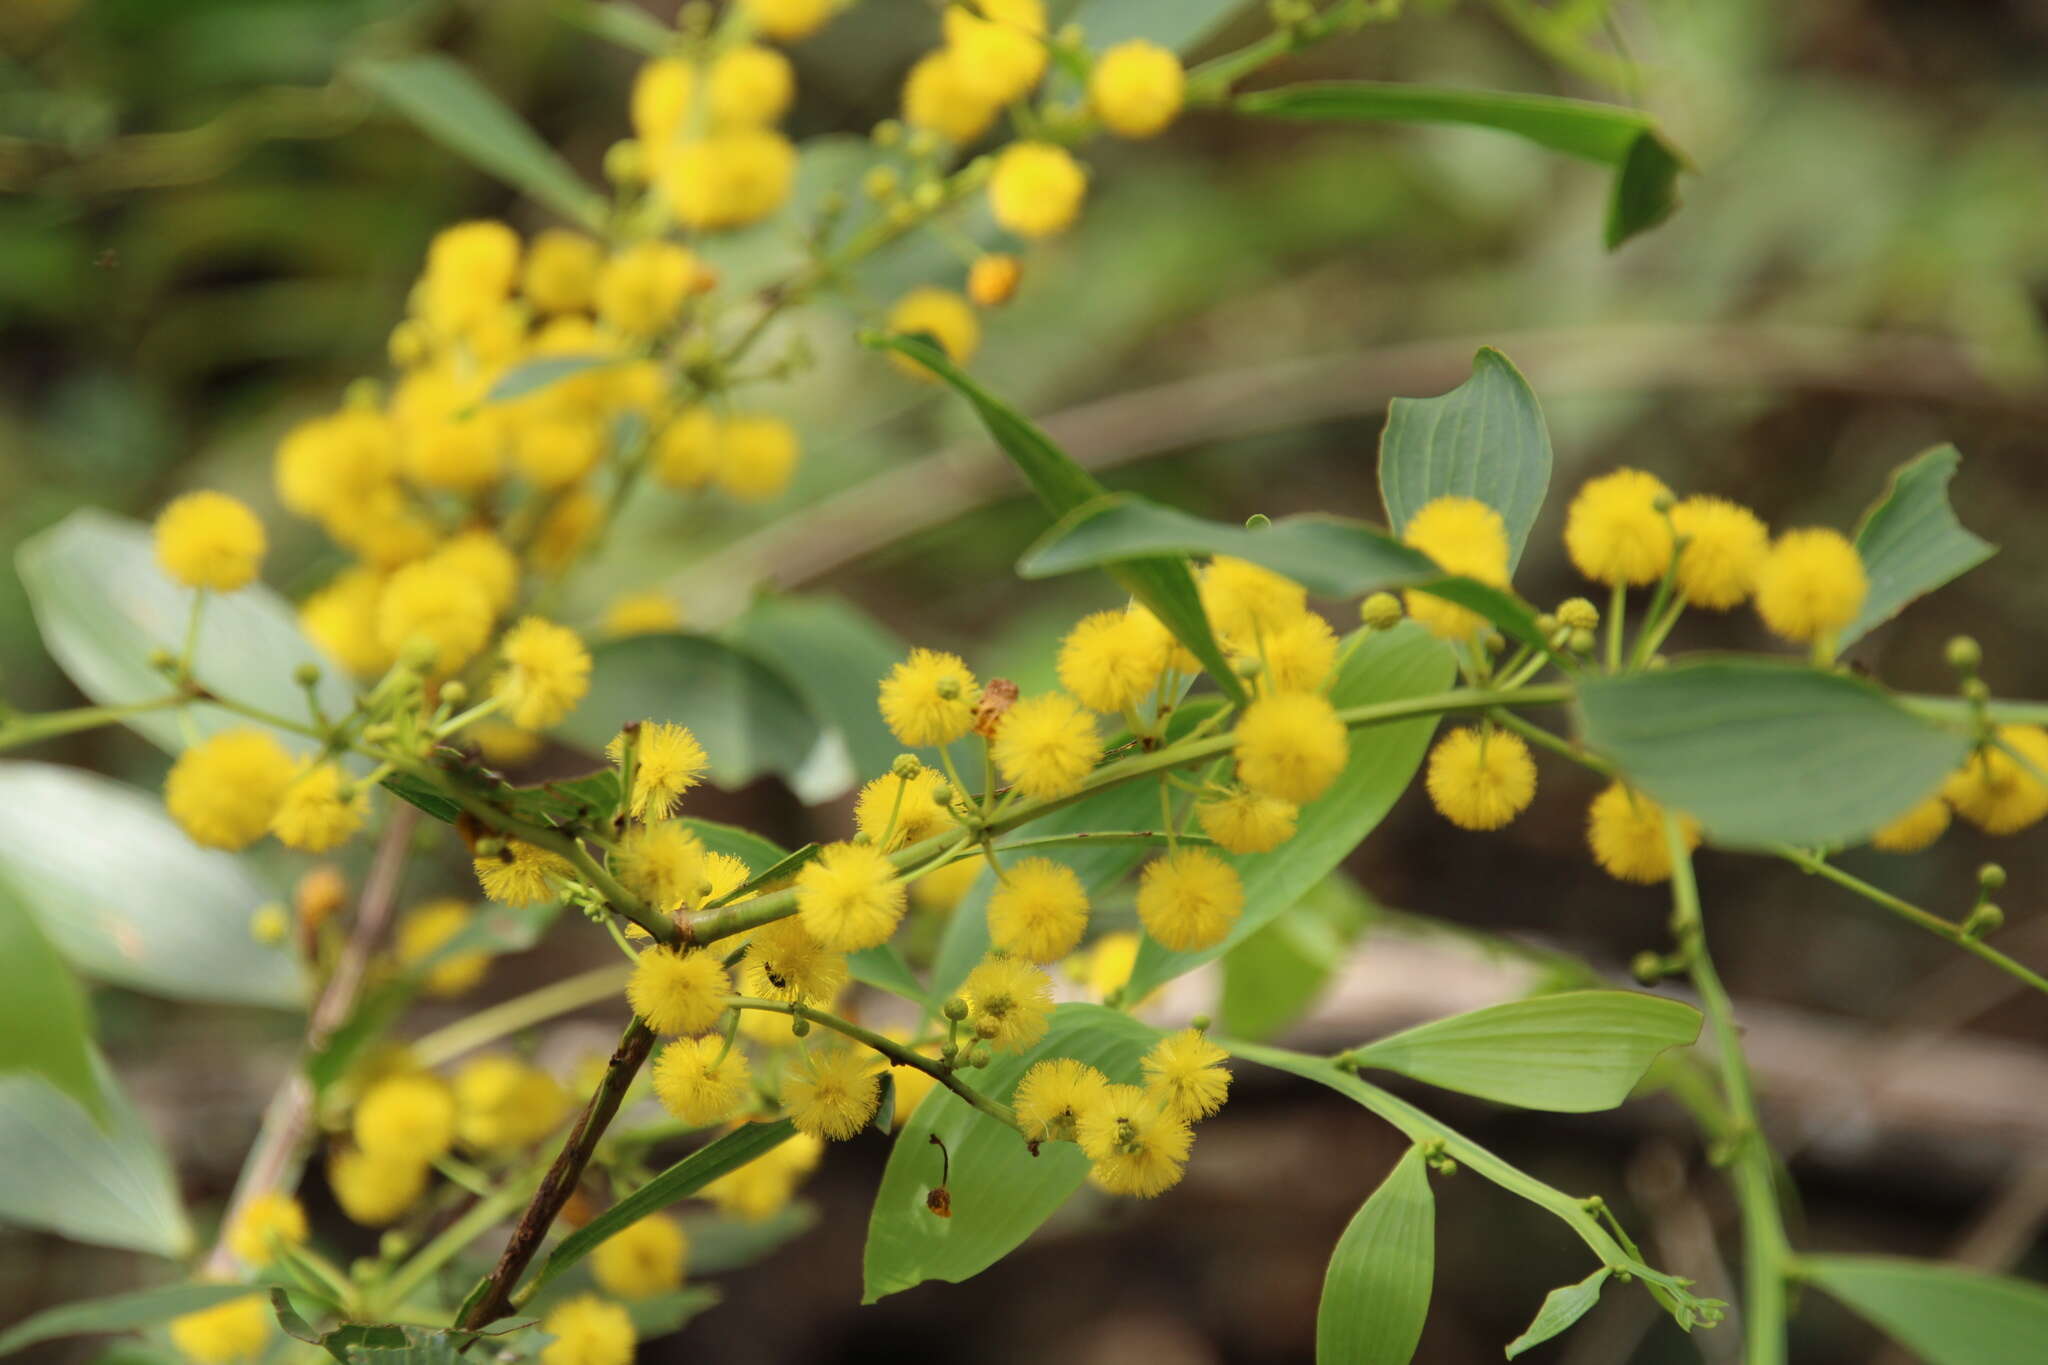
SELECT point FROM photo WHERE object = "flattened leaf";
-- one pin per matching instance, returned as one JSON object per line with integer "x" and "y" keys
{"x": 1484, "y": 439}
{"x": 1947, "y": 1314}
{"x": 1561, "y": 1308}
{"x": 1911, "y": 542}
{"x": 1376, "y": 1290}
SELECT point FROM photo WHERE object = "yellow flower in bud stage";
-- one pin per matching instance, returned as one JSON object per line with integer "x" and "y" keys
{"x": 784, "y": 962}
{"x": 929, "y": 698}
{"x": 751, "y": 86}
{"x": 1464, "y": 536}
{"x": 687, "y": 453}
{"x": 1188, "y": 899}
{"x": 1009, "y": 1003}
{"x": 1184, "y": 1072}
{"x": 902, "y": 809}
{"x": 1054, "y": 1094}
{"x": 992, "y": 279}
{"x": 1625, "y": 830}
{"x": 1481, "y": 779}
{"x": 230, "y": 1331}
{"x": 667, "y": 762}
{"x": 373, "y": 1190}
{"x": 679, "y": 992}
{"x": 209, "y": 540}
{"x": 588, "y": 1331}
{"x": 1046, "y": 746}
{"x": 1137, "y": 88}
{"x": 831, "y": 1091}
{"x": 1914, "y": 830}
{"x": 641, "y": 290}
{"x": 1810, "y": 585}
{"x": 561, "y": 271}
{"x": 1245, "y": 601}
{"x": 642, "y": 1259}
{"x": 1000, "y": 46}
{"x": 1111, "y": 659}
{"x": 1243, "y": 821}
{"x": 270, "y": 1220}
{"x": 1996, "y": 793}
{"x": 939, "y": 97}
{"x": 1040, "y": 912}
{"x": 521, "y": 874}
{"x": 941, "y": 890}
{"x": 438, "y": 604}
{"x": 502, "y": 1103}
{"x": 940, "y": 314}
{"x": 544, "y": 671}
{"x": 407, "y": 1117}
{"x": 224, "y": 791}
{"x": 728, "y": 179}
{"x": 341, "y": 619}
{"x": 664, "y": 96}
{"x": 421, "y": 936}
{"x": 661, "y": 862}
{"x": 756, "y": 457}
{"x": 1137, "y": 1147}
{"x": 641, "y": 613}
{"x": 471, "y": 268}
{"x": 1614, "y": 532}
{"x": 321, "y": 809}
{"x": 787, "y": 21}
{"x": 762, "y": 1188}
{"x": 1036, "y": 189}
{"x": 554, "y": 452}
{"x": 331, "y": 461}
{"x": 849, "y": 897}
{"x": 1299, "y": 655}
{"x": 1724, "y": 545}
{"x": 566, "y": 529}
{"x": 701, "y": 1081}
{"x": 1291, "y": 745}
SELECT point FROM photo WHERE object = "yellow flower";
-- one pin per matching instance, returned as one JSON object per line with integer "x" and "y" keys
{"x": 233, "y": 1330}
{"x": 1914, "y": 830}
{"x": 786, "y": 21}
{"x": 1112, "y": 659}
{"x": 484, "y": 560}
{"x": 382, "y": 526}
{"x": 756, "y": 456}
{"x": 1463, "y": 536}
{"x": 784, "y": 962}
{"x": 1009, "y": 1003}
{"x": 521, "y": 874}
{"x": 375, "y": 1190}
{"x": 561, "y": 271}
{"x": 700, "y": 1080}
{"x": 1244, "y": 600}
{"x": 1615, "y": 533}
{"x": 566, "y": 529}
{"x": 1300, "y": 655}
{"x": 439, "y": 605}
{"x": 1040, "y": 912}
{"x": 1001, "y": 53}
{"x": 448, "y": 439}
{"x": 751, "y": 85}
{"x": 679, "y": 992}
{"x": 1046, "y": 746}
{"x": 831, "y": 1091}
{"x": 901, "y": 808}
{"x": 728, "y": 179}
{"x": 688, "y": 450}
{"x": 209, "y": 540}
{"x": 470, "y": 271}
{"x": 992, "y": 279}
{"x": 1291, "y": 745}
{"x": 760, "y": 1189}
{"x": 662, "y": 863}
{"x": 667, "y": 762}
{"x": 942, "y": 890}
{"x": 940, "y": 314}
{"x": 554, "y": 452}
{"x": 319, "y": 810}
{"x": 1626, "y": 832}
{"x": 1725, "y": 544}
{"x": 1811, "y": 584}
{"x": 1137, "y": 1147}
{"x": 849, "y": 897}
{"x": 502, "y": 1103}
{"x": 501, "y": 744}
{"x": 641, "y": 613}
{"x": 1136, "y": 88}
{"x": 408, "y": 1117}
{"x": 1245, "y": 822}
{"x": 1481, "y": 778}
{"x": 588, "y": 1331}
{"x": 330, "y": 461}
{"x": 270, "y": 1220}
{"x": 1189, "y": 899}
{"x": 642, "y": 1259}
{"x": 939, "y": 97}
{"x": 641, "y": 289}
{"x": 1036, "y": 189}
{"x": 420, "y": 938}
{"x": 1993, "y": 791}
{"x": 341, "y": 619}
{"x": 1054, "y": 1094}
{"x": 544, "y": 671}
{"x": 224, "y": 791}
{"x": 1184, "y": 1072}
{"x": 1106, "y": 968}
{"x": 929, "y": 698}
{"x": 723, "y": 874}
{"x": 664, "y": 93}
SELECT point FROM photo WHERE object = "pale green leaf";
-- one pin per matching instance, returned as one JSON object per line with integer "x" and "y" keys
{"x": 117, "y": 1313}
{"x": 1178, "y": 24}
{"x": 1274, "y": 976}
{"x": 1484, "y": 439}
{"x": 45, "y": 1029}
{"x": 1376, "y": 1290}
{"x": 835, "y": 655}
{"x": 1911, "y": 542}
{"x": 1561, "y": 1308}
{"x": 531, "y": 376}
{"x": 1947, "y": 1314}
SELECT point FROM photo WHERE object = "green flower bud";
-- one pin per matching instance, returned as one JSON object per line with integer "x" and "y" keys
{"x": 1963, "y": 654}
{"x": 906, "y": 766}
{"x": 1381, "y": 611}
{"x": 956, "y": 1009}
{"x": 306, "y": 674}
{"x": 1578, "y": 613}
{"x": 1991, "y": 877}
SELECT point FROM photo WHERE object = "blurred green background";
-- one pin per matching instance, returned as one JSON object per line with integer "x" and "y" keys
{"x": 206, "y": 232}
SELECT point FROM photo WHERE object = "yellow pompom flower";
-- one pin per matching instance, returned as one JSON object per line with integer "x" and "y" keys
{"x": 484, "y": 560}
{"x": 642, "y": 1259}
{"x": 679, "y": 992}
{"x": 992, "y": 279}
{"x": 373, "y": 1190}
{"x": 940, "y": 314}
{"x": 902, "y": 809}
{"x": 436, "y": 604}
{"x": 1724, "y": 545}
{"x": 333, "y": 460}
{"x": 687, "y": 452}
{"x": 664, "y": 94}
{"x": 1243, "y": 821}
{"x": 929, "y": 698}
{"x": 421, "y": 935}
{"x": 763, "y": 1187}
{"x": 1810, "y": 585}
{"x": 1625, "y": 830}
{"x": 1291, "y": 745}
{"x": 784, "y": 962}
{"x": 470, "y": 270}
{"x": 1009, "y": 1003}
{"x": 940, "y": 891}
{"x": 751, "y": 86}
{"x": 502, "y": 1103}
{"x": 341, "y": 619}
{"x": 561, "y": 271}
{"x": 849, "y": 897}
{"x": 1137, "y": 88}
{"x": 209, "y": 540}
{"x": 224, "y": 791}
{"x": 641, "y": 290}
{"x": 1112, "y": 659}
{"x": 521, "y": 873}
{"x": 555, "y": 452}
{"x": 831, "y": 1091}
{"x": 408, "y": 1117}
{"x": 1463, "y": 536}
{"x": 1245, "y": 601}
{"x": 232, "y": 1330}
{"x": 729, "y": 179}
{"x": 641, "y": 613}
{"x": 1300, "y": 655}
{"x": 1039, "y": 911}
{"x": 1137, "y": 1147}
{"x": 1996, "y": 793}
{"x": 1054, "y": 1094}
{"x": 756, "y": 456}
{"x": 1106, "y": 967}
{"x": 662, "y": 863}
{"x": 544, "y": 671}
{"x": 270, "y": 1220}
{"x": 1036, "y": 189}
{"x": 1046, "y": 746}
{"x": 1614, "y": 532}
{"x": 786, "y": 21}
{"x": 588, "y": 1331}
{"x": 940, "y": 97}
{"x": 566, "y": 529}
{"x": 1184, "y": 1072}
{"x": 1914, "y": 830}
{"x": 700, "y": 1080}
{"x": 320, "y": 810}
{"x": 667, "y": 762}
{"x": 1481, "y": 778}
{"x": 999, "y": 45}
{"x": 1189, "y": 899}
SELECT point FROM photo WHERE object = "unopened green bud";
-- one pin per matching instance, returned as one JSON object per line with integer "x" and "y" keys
{"x": 1495, "y": 642}
{"x": 949, "y": 1053}
{"x": 306, "y": 674}
{"x": 454, "y": 692}
{"x": 887, "y": 133}
{"x": 1546, "y": 624}
{"x": 928, "y": 195}
{"x": 800, "y": 1026}
{"x": 1247, "y": 665}
{"x": 419, "y": 655}
{"x": 948, "y": 689}
{"x": 942, "y": 794}
{"x": 1976, "y": 690}
{"x": 1257, "y": 521}
{"x": 981, "y": 1056}
{"x": 1963, "y": 654}
{"x": 393, "y": 1245}
{"x": 880, "y": 183}
{"x": 1578, "y": 613}
{"x": 269, "y": 924}
{"x": 363, "y": 394}
{"x": 861, "y": 839}
{"x": 1381, "y": 611}
{"x": 1664, "y": 502}
{"x": 1986, "y": 919}
{"x": 922, "y": 143}
{"x": 1200, "y": 1023}
{"x": 956, "y": 1009}
{"x": 490, "y": 846}
{"x": 625, "y": 163}
{"x": 906, "y": 766}
{"x": 1647, "y": 968}
{"x": 1991, "y": 877}
{"x": 1581, "y": 640}
{"x": 986, "y": 1028}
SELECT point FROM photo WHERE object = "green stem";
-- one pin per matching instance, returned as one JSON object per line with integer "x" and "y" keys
{"x": 888, "y": 1047}
{"x": 18, "y": 730}
{"x": 522, "y": 1011}
{"x": 1617, "y": 613}
{"x": 485, "y": 1214}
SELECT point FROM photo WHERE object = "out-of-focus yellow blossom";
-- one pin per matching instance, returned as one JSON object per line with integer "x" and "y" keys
{"x": 729, "y": 178}
{"x": 1036, "y": 189}
{"x": 437, "y": 604}
{"x": 1137, "y": 88}
{"x": 641, "y": 613}
{"x": 321, "y": 809}
{"x": 224, "y": 791}
{"x": 757, "y": 455}
{"x": 421, "y": 935}
{"x": 503, "y": 1103}
{"x": 940, "y": 314}
{"x": 642, "y": 1259}
{"x": 209, "y": 540}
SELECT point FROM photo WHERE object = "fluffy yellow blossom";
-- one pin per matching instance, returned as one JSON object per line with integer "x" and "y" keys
{"x": 484, "y": 560}
{"x": 641, "y": 613}
{"x": 943, "y": 889}
{"x": 667, "y": 762}
{"x": 999, "y": 45}
{"x": 1189, "y": 899}
{"x": 1054, "y": 1094}
{"x": 373, "y": 1190}
{"x": 1039, "y": 911}
{"x": 561, "y": 271}
{"x": 929, "y": 698}
{"x": 784, "y": 962}
{"x": 447, "y": 439}
{"x": 566, "y": 529}
{"x": 728, "y": 179}
{"x": 750, "y": 85}
{"x": 1463, "y": 536}
{"x": 940, "y": 314}
{"x": 940, "y": 97}
{"x": 1996, "y": 793}
{"x": 320, "y": 810}
{"x": 700, "y": 1080}
{"x": 502, "y": 1103}
{"x": 1625, "y": 830}
{"x": 1009, "y": 1003}
{"x": 1724, "y": 545}
{"x": 554, "y": 452}
{"x": 209, "y": 540}
{"x": 327, "y": 462}
{"x": 992, "y": 279}
{"x": 756, "y": 456}
{"x": 471, "y": 268}
{"x": 1137, "y": 1147}
{"x": 642, "y": 1259}
{"x": 1481, "y": 778}
{"x": 588, "y": 1331}
{"x": 901, "y": 809}
{"x": 434, "y": 603}
{"x": 1291, "y": 745}
{"x": 1245, "y": 822}
{"x": 849, "y": 897}
{"x": 421, "y": 936}
{"x": 232, "y": 1330}
{"x": 1914, "y": 830}
{"x": 688, "y": 450}
{"x": 1811, "y": 584}
{"x": 544, "y": 671}
{"x": 831, "y": 1091}
{"x": 1137, "y": 88}
{"x": 224, "y": 791}
{"x": 664, "y": 96}
{"x": 642, "y": 288}
{"x": 341, "y": 619}
{"x": 1112, "y": 659}
{"x": 270, "y": 1220}
{"x": 521, "y": 873}
{"x": 1036, "y": 189}
{"x": 723, "y": 874}
{"x": 786, "y": 21}
{"x": 1244, "y": 601}
{"x": 679, "y": 992}
{"x": 407, "y": 1117}
{"x": 1046, "y": 746}
{"x": 762, "y": 1187}
{"x": 1106, "y": 967}
{"x": 661, "y": 862}
{"x": 1615, "y": 533}
{"x": 1299, "y": 655}
{"x": 1184, "y": 1072}
{"x": 382, "y": 526}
